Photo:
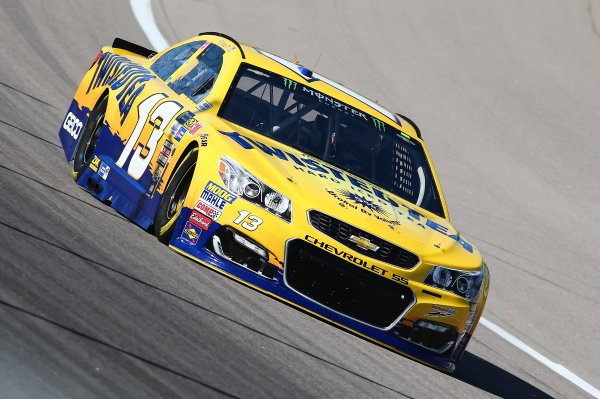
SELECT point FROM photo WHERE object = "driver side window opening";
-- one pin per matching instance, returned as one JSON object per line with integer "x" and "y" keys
{"x": 190, "y": 69}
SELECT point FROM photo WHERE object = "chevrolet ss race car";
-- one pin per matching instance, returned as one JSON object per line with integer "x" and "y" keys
{"x": 284, "y": 180}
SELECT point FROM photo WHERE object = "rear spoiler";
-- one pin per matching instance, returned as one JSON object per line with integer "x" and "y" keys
{"x": 132, "y": 48}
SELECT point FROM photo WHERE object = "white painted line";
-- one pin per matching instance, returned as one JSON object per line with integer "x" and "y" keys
{"x": 143, "y": 13}
{"x": 557, "y": 368}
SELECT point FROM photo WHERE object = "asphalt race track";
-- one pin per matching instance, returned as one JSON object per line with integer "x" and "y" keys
{"x": 506, "y": 94}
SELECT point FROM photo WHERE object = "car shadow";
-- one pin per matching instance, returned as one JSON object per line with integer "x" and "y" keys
{"x": 488, "y": 377}
{"x": 471, "y": 369}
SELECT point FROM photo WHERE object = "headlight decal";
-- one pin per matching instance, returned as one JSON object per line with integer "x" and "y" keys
{"x": 460, "y": 282}
{"x": 244, "y": 184}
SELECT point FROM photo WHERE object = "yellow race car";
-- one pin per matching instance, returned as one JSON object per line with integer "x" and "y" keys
{"x": 284, "y": 180}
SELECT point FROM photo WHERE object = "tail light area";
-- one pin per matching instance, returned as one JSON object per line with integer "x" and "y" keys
{"x": 96, "y": 59}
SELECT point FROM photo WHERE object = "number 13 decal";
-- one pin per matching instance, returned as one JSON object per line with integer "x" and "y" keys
{"x": 160, "y": 118}
{"x": 255, "y": 221}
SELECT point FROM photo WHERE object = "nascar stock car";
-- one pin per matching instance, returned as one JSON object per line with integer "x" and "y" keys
{"x": 284, "y": 180}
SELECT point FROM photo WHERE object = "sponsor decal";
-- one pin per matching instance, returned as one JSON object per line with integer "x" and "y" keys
{"x": 195, "y": 128}
{"x": 165, "y": 153}
{"x": 203, "y": 139}
{"x": 203, "y": 106}
{"x": 103, "y": 170}
{"x": 213, "y": 200}
{"x": 164, "y": 157}
{"x": 219, "y": 192}
{"x": 290, "y": 84}
{"x": 205, "y": 45}
{"x": 72, "y": 125}
{"x": 441, "y": 311}
{"x": 200, "y": 220}
{"x": 208, "y": 210}
{"x": 190, "y": 233}
{"x": 361, "y": 187}
{"x": 190, "y": 123}
{"x": 379, "y": 125}
{"x": 95, "y": 163}
{"x": 184, "y": 117}
{"x": 177, "y": 131}
{"x": 353, "y": 200}
{"x": 333, "y": 103}
{"x": 437, "y": 314}
{"x": 124, "y": 77}
{"x": 179, "y": 135}
{"x": 225, "y": 46}
{"x": 355, "y": 259}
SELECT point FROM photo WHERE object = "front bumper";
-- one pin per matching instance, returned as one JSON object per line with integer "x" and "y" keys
{"x": 292, "y": 280}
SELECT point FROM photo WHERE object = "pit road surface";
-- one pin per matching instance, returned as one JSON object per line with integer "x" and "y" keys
{"x": 506, "y": 95}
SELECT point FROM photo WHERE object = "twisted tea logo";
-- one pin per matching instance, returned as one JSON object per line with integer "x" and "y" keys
{"x": 289, "y": 84}
{"x": 363, "y": 201}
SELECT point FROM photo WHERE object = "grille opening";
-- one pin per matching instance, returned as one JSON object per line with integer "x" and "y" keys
{"x": 343, "y": 232}
{"x": 238, "y": 248}
{"x": 345, "y": 287}
{"x": 436, "y": 337}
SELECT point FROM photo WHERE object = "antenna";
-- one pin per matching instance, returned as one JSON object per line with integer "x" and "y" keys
{"x": 317, "y": 61}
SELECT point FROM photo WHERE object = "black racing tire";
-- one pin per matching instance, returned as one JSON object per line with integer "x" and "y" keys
{"x": 89, "y": 137}
{"x": 173, "y": 197}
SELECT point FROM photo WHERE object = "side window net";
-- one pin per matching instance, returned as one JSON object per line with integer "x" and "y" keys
{"x": 170, "y": 61}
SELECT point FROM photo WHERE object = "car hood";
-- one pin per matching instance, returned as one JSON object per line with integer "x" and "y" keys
{"x": 314, "y": 184}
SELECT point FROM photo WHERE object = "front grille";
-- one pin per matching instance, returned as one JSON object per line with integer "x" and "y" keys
{"x": 345, "y": 287}
{"x": 341, "y": 232}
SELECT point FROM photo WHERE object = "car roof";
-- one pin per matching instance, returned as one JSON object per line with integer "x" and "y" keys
{"x": 295, "y": 71}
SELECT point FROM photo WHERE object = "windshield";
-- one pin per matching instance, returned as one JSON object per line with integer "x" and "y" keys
{"x": 333, "y": 131}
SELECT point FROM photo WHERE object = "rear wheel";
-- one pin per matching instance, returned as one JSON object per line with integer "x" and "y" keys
{"x": 89, "y": 137}
{"x": 173, "y": 197}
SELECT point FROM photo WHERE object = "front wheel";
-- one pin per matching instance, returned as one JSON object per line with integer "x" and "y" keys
{"x": 89, "y": 137}
{"x": 173, "y": 197}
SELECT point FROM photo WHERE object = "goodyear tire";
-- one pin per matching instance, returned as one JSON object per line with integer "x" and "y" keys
{"x": 173, "y": 197}
{"x": 89, "y": 137}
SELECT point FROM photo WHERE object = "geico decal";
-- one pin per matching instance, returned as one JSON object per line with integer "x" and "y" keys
{"x": 72, "y": 125}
